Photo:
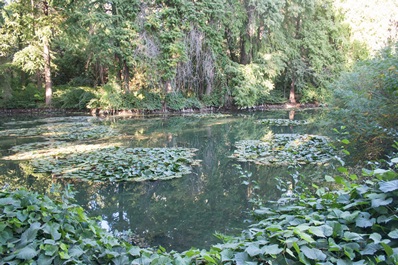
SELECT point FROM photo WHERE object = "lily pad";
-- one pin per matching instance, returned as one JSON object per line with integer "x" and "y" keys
{"x": 285, "y": 149}
{"x": 209, "y": 115}
{"x": 120, "y": 164}
{"x": 282, "y": 122}
{"x": 64, "y": 131}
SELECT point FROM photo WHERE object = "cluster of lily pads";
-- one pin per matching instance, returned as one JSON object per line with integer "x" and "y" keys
{"x": 210, "y": 115}
{"x": 285, "y": 149}
{"x": 120, "y": 164}
{"x": 64, "y": 131}
{"x": 65, "y": 152}
{"x": 282, "y": 122}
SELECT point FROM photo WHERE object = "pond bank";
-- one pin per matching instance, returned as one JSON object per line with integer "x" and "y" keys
{"x": 55, "y": 111}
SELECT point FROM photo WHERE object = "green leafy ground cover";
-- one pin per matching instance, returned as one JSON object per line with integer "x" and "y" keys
{"x": 285, "y": 149}
{"x": 342, "y": 223}
{"x": 282, "y": 122}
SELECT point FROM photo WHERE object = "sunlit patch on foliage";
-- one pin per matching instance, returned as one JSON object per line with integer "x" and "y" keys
{"x": 285, "y": 149}
{"x": 283, "y": 122}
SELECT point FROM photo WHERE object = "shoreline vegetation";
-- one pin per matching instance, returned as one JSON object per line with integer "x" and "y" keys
{"x": 53, "y": 111}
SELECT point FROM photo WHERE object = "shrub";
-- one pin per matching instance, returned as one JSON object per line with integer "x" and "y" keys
{"x": 175, "y": 101}
{"x": 73, "y": 97}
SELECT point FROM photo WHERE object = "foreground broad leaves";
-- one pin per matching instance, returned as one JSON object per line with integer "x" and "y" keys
{"x": 350, "y": 224}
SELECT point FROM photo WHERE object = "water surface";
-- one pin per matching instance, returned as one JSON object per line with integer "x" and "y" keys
{"x": 179, "y": 213}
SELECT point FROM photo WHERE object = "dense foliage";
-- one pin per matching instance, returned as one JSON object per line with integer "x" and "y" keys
{"x": 128, "y": 50}
{"x": 366, "y": 98}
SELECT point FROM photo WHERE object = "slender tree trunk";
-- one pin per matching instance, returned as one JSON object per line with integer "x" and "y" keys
{"x": 292, "y": 96}
{"x": 47, "y": 63}
{"x": 126, "y": 77}
{"x": 47, "y": 73}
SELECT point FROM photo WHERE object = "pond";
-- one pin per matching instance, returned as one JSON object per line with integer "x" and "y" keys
{"x": 210, "y": 195}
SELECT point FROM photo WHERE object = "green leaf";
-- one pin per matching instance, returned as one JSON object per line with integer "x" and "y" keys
{"x": 345, "y": 141}
{"x": 387, "y": 186}
{"x": 318, "y": 231}
{"x": 76, "y": 251}
{"x": 226, "y": 255}
{"x": 27, "y": 253}
{"x": 376, "y": 237}
{"x": 52, "y": 229}
{"x": 370, "y": 249}
{"x": 30, "y": 234}
{"x": 387, "y": 249}
{"x": 363, "y": 220}
{"x": 253, "y": 250}
{"x": 272, "y": 249}
{"x": 393, "y": 234}
{"x": 350, "y": 236}
{"x": 45, "y": 260}
{"x": 312, "y": 253}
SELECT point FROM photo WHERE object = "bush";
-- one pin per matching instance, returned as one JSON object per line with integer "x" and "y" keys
{"x": 274, "y": 97}
{"x": 108, "y": 97}
{"x": 73, "y": 97}
{"x": 366, "y": 97}
{"x": 175, "y": 101}
{"x": 151, "y": 101}
{"x": 25, "y": 97}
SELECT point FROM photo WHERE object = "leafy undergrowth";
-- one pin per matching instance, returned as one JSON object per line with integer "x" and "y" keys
{"x": 285, "y": 149}
{"x": 347, "y": 224}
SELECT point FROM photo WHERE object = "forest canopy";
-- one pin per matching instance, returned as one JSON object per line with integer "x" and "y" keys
{"x": 129, "y": 54}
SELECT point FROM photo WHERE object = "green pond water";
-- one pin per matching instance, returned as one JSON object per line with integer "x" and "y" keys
{"x": 176, "y": 213}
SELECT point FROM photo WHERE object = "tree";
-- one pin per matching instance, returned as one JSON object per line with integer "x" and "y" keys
{"x": 29, "y": 28}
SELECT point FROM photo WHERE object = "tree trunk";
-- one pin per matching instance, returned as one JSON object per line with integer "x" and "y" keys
{"x": 47, "y": 62}
{"x": 292, "y": 96}
{"x": 47, "y": 73}
{"x": 126, "y": 77}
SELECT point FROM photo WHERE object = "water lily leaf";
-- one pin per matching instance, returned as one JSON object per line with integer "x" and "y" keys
{"x": 387, "y": 186}
{"x": 312, "y": 253}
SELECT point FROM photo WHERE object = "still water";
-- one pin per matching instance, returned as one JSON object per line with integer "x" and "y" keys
{"x": 179, "y": 213}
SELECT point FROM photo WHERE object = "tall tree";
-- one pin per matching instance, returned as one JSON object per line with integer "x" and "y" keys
{"x": 30, "y": 26}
